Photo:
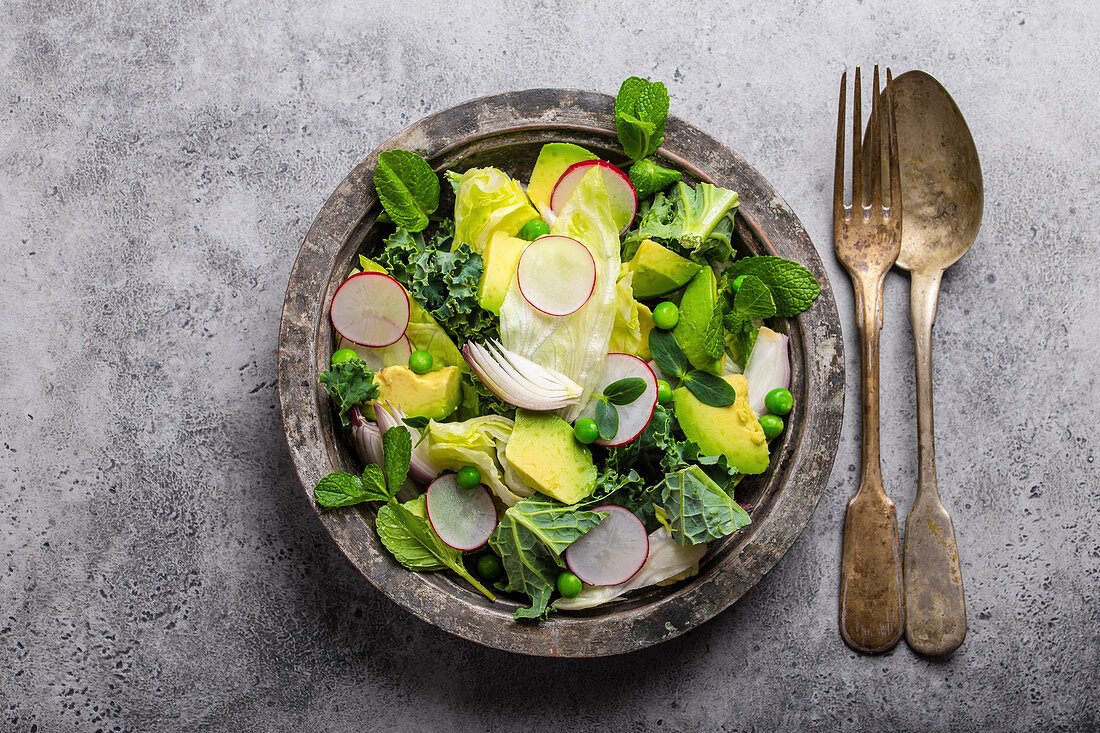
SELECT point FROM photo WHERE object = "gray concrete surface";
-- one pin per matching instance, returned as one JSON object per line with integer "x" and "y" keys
{"x": 161, "y": 568}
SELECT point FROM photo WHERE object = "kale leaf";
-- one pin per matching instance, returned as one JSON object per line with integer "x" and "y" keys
{"x": 349, "y": 383}
{"x": 698, "y": 509}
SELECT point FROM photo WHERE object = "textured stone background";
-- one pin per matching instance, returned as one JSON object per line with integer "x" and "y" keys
{"x": 161, "y": 568}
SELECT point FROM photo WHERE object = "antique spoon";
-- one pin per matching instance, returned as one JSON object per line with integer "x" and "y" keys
{"x": 941, "y": 185}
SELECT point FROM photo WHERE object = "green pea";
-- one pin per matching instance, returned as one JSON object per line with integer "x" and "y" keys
{"x": 664, "y": 392}
{"x": 569, "y": 585}
{"x": 779, "y": 401}
{"x": 420, "y": 361}
{"x": 772, "y": 424}
{"x": 341, "y": 355}
{"x": 490, "y": 567}
{"x": 534, "y": 229}
{"x": 469, "y": 477}
{"x": 666, "y": 315}
{"x": 736, "y": 284}
{"x": 586, "y": 430}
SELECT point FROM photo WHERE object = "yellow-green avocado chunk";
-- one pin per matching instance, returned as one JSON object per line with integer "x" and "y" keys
{"x": 501, "y": 262}
{"x": 732, "y": 431}
{"x": 548, "y": 458}
{"x": 553, "y": 159}
{"x": 696, "y": 311}
{"x": 433, "y": 395}
{"x": 658, "y": 270}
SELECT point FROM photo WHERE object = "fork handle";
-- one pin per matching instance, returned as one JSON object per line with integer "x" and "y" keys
{"x": 935, "y": 622}
{"x": 871, "y": 604}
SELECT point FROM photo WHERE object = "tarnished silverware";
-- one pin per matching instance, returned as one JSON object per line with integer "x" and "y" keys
{"x": 867, "y": 239}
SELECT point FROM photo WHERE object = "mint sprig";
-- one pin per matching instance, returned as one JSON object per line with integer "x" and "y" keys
{"x": 407, "y": 187}
{"x": 670, "y": 359}
{"x": 641, "y": 109}
{"x": 792, "y": 287}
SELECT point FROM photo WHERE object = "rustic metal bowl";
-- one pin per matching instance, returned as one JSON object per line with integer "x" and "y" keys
{"x": 507, "y": 130}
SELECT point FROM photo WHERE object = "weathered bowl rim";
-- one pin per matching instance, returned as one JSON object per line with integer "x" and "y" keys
{"x": 805, "y": 456}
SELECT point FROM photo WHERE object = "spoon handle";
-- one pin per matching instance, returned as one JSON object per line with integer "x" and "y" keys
{"x": 871, "y": 604}
{"x": 935, "y": 622}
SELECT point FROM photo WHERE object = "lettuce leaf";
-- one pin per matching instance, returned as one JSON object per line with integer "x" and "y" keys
{"x": 574, "y": 345}
{"x": 442, "y": 279}
{"x": 480, "y": 442}
{"x": 488, "y": 201}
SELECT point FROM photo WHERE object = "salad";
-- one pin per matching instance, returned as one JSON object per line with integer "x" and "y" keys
{"x": 557, "y": 387}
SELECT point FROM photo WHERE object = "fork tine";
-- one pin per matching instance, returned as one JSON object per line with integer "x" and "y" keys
{"x": 838, "y": 173}
{"x": 876, "y": 150}
{"x": 857, "y": 154}
{"x": 895, "y": 166}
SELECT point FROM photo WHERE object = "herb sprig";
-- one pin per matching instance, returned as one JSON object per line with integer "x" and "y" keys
{"x": 641, "y": 109}
{"x": 621, "y": 392}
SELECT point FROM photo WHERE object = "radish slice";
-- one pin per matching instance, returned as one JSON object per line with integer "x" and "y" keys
{"x": 632, "y": 417}
{"x": 383, "y": 356}
{"x": 620, "y": 191}
{"x": 611, "y": 553}
{"x": 768, "y": 367}
{"x": 556, "y": 275}
{"x": 463, "y": 518}
{"x": 371, "y": 309}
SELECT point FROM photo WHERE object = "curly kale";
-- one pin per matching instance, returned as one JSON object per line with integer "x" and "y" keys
{"x": 441, "y": 279}
{"x": 349, "y": 383}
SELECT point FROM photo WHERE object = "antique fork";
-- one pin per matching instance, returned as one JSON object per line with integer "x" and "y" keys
{"x": 867, "y": 239}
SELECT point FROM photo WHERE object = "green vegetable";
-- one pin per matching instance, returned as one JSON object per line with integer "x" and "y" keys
{"x": 569, "y": 585}
{"x": 607, "y": 419}
{"x": 694, "y": 222}
{"x": 698, "y": 510}
{"x": 341, "y": 355}
{"x": 708, "y": 388}
{"x": 534, "y": 229}
{"x": 714, "y": 335}
{"x": 641, "y": 109}
{"x": 490, "y": 567}
{"x": 468, "y": 477}
{"x": 624, "y": 391}
{"x": 736, "y": 284}
{"x": 530, "y": 539}
{"x": 478, "y": 441}
{"x": 407, "y": 187}
{"x": 420, "y": 361}
{"x": 345, "y": 489}
{"x": 793, "y": 288}
{"x": 779, "y": 401}
{"x": 664, "y": 392}
{"x": 477, "y": 400}
{"x": 666, "y": 315}
{"x": 349, "y": 383}
{"x": 488, "y": 201}
{"x": 442, "y": 279}
{"x": 586, "y": 430}
{"x": 772, "y": 425}
{"x": 649, "y": 178}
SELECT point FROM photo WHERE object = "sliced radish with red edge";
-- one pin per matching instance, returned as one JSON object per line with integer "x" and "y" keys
{"x": 633, "y": 417}
{"x": 378, "y": 358}
{"x": 556, "y": 274}
{"x": 371, "y": 309}
{"x": 620, "y": 191}
{"x": 463, "y": 518}
{"x": 611, "y": 553}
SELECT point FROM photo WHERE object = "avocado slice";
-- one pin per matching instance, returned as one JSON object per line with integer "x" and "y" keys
{"x": 732, "y": 431}
{"x": 696, "y": 311}
{"x": 501, "y": 259}
{"x": 548, "y": 458}
{"x": 659, "y": 270}
{"x": 433, "y": 395}
{"x": 553, "y": 159}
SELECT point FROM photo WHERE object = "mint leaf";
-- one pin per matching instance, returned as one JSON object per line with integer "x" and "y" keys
{"x": 409, "y": 537}
{"x": 641, "y": 109}
{"x": 349, "y": 383}
{"x": 710, "y": 389}
{"x": 396, "y": 456}
{"x": 793, "y": 287}
{"x": 649, "y": 178}
{"x": 698, "y": 510}
{"x": 340, "y": 489}
{"x": 607, "y": 419}
{"x": 407, "y": 187}
{"x": 624, "y": 391}
{"x": 714, "y": 336}
{"x": 374, "y": 483}
{"x": 753, "y": 299}
{"x": 667, "y": 354}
